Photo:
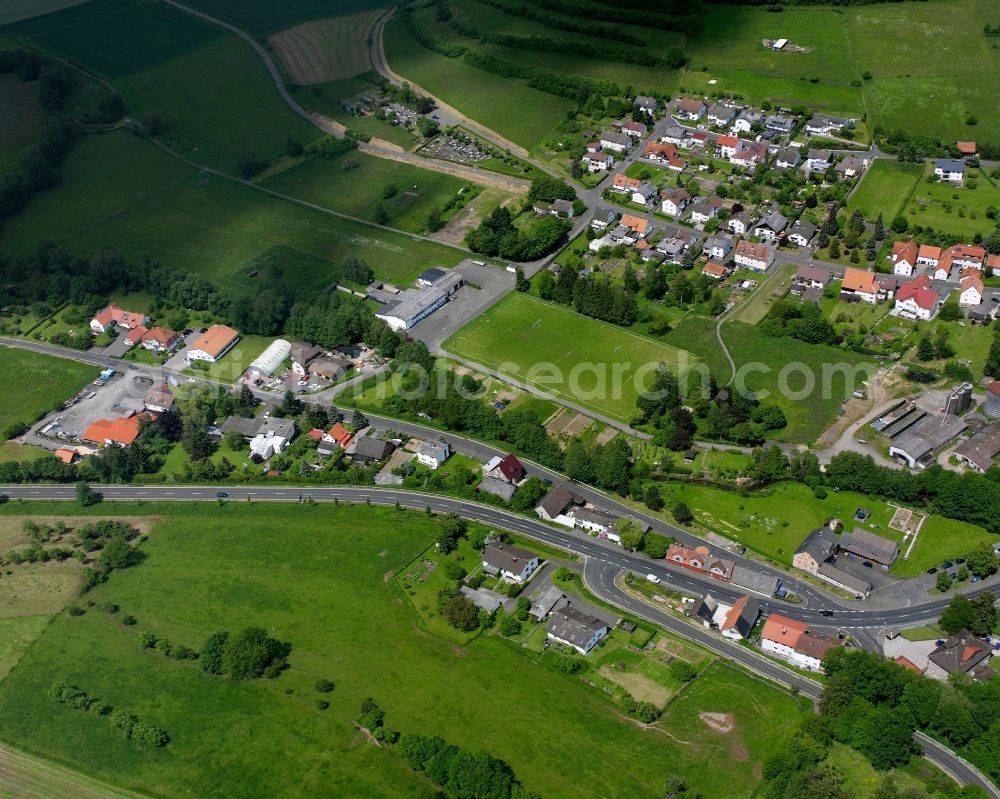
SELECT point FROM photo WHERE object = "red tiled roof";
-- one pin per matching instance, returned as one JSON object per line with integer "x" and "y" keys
{"x": 637, "y": 223}
{"x": 163, "y": 336}
{"x": 340, "y": 434}
{"x": 929, "y": 251}
{"x": 120, "y": 431}
{"x": 691, "y": 106}
{"x": 65, "y": 454}
{"x": 966, "y": 147}
{"x": 906, "y": 663}
{"x": 905, "y": 251}
{"x": 621, "y": 180}
{"x": 727, "y": 141}
{"x": 924, "y": 297}
{"x": 919, "y": 282}
{"x": 860, "y": 280}
{"x": 750, "y": 249}
{"x": 718, "y": 270}
{"x": 215, "y": 340}
{"x": 784, "y": 630}
{"x": 969, "y": 652}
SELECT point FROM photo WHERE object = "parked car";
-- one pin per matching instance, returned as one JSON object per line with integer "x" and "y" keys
{"x": 975, "y": 579}
{"x": 947, "y": 564}
{"x": 932, "y": 570}
{"x": 959, "y": 561}
{"x": 652, "y": 578}
{"x": 867, "y": 564}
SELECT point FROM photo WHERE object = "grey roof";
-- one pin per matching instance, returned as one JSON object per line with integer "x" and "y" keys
{"x": 983, "y": 447}
{"x": 813, "y": 273}
{"x": 497, "y": 487}
{"x": 605, "y": 213}
{"x": 789, "y": 155}
{"x": 867, "y": 544}
{"x": 245, "y": 427}
{"x": 615, "y": 138}
{"x": 484, "y": 600}
{"x": 854, "y": 162}
{"x": 432, "y": 448}
{"x": 821, "y": 543}
{"x": 372, "y": 448}
{"x": 751, "y": 115}
{"x": 964, "y": 653}
{"x": 674, "y": 132}
{"x": 330, "y": 364}
{"x": 804, "y": 228}
{"x": 775, "y": 221}
{"x": 258, "y": 425}
{"x": 562, "y": 206}
{"x": 718, "y": 241}
{"x": 574, "y": 626}
{"x": 432, "y": 275}
{"x": 546, "y": 602}
{"x": 722, "y": 111}
{"x": 508, "y": 558}
{"x": 303, "y": 353}
{"x": 927, "y": 436}
{"x": 819, "y": 155}
{"x": 758, "y": 582}
{"x": 160, "y": 396}
{"x": 596, "y": 516}
{"x": 818, "y": 120}
{"x": 557, "y": 500}
{"x": 704, "y": 608}
{"x": 844, "y": 578}
{"x": 949, "y": 165}
{"x": 647, "y": 190}
{"x": 746, "y": 618}
{"x": 779, "y": 122}
{"x": 644, "y": 101}
{"x": 742, "y": 216}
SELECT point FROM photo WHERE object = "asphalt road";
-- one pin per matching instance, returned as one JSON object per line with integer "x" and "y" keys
{"x": 602, "y": 565}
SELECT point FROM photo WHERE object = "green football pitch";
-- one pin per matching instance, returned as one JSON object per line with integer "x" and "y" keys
{"x": 595, "y": 365}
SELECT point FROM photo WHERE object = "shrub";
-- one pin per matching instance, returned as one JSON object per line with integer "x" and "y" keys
{"x": 510, "y": 626}
{"x": 211, "y": 652}
{"x": 322, "y": 704}
{"x": 147, "y": 640}
{"x": 454, "y": 570}
{"x": 324, "y": 686}
{"x": 682, "y": 671}
{"x": 246, "y": 653}
{"x": 76, "y": 611}
{"x": 514, "y": 589}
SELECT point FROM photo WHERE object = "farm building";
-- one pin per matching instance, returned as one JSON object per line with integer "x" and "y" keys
{"x": 268, "y": 362}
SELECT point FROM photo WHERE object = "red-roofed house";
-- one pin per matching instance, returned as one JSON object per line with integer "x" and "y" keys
{"x": 714, "y": 270}
{"x": 624, "y": 185}
{"x": 691, "y": 109}
{"x": 700, "y": 559}
{"x": 135, "y": 335}
{"x": 161, "y": 339}
{"x": 339, "y": 435}
{"x": 726, "y": 146}
{"x": 993, "y": 264}
{"x": 859, "y": 284}
{"x": 315, "y": 434}
{"x": 943, "y": 269}
{"x": 966, "y": 148}
{"x": 754, "y": 256}
{"x": 906, "y": 663}
{"x": 112, "y": 316}
{"x": 970, "y": 291}
{"x": 791, "y": 640}
{"x": 67, "y": 455}
{"x": 509, "y": 469}
{"x": 928, "y": 255}
{"x": 904, "y": 257}
{"x": 915, "y": 300}
{"x": 963, "y": 255}
{"x": 665, "y": 154}
{"x": 121, "y": 431}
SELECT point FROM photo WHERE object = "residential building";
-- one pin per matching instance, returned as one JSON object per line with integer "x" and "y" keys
{"x": 615, "y": 142}
{"x": 717, "y": 248}
{"x": 575, "y": 628}
{"x": 714, "y": 270}
{"x": 904, "y": 257}
{"x": 271, "y": 359}
{"x": 780, "y": 124}
{"x": 791, "y": 640}
{"x": 740, "y": 223}
{"x": 824, "y": 125}
{"x": 818, "y": 547}
{"x": 508, "y": 468}
{"x": 212, "y": 345}
{"x": 927, "y": 255}
{"x": 966, "y": 148}
{"x": 637, "y": 224}
{"x": 603, "y": 216}
{"x": 749, "y": 155}
{"x": 700, "y": 559}
{"x": 726, "y": 146}
{"x": 859, "y": 284}
{"x": 706, "y": 610}
{"x": 747, "y": 118}
{"x": 121, "y": 431}
{"x": 741, "y": 618}
{"x": 268, "y": 443}
{"x": 771, "y": 226}
{"x": 665, "y": 155}
{"x": 755, "y": 256}
{"x": 967, "y": 255}
{"x": 622, "y": 184}
{"x": 555, "y": 505}
{"x": 598, "y": 162}
{"x": 433, "y": 453}
{"x": 961, "y": 654}
{"x": 645, "y": 193}
{"x": 595, "y": 520}
{"x": 510, "y": 563}
{"x": 546, "y": 602}
{"x": 979, "y": 452}
{"x": 339, "y": 435}
{"x": 634, "y": 130}
{"x": 111, "y": 316}
{"x": 818, "y": 160}
{"x": 330, "y": 367}
{"x": 702, "y": 210}
{"x": 788, "y": 158}
{"x": 372, "y": 449}
{"x": 303, "y": 354}
{"x": 950, "y": 170}
{"x": 851, "y": 166}
{"x": 691, "y": 109}
{"x": 674, "y": 134}
{"x": 161, "y": 339}
{"x": 675, "y": 201}
{"x": 970, "y": 291}
{"x": 720, "y": 115}
{"x": 992, "y": 263}
{"x": 135, "y": 335}
{"x": 916, "y": 301}
{"x": 67, "y": 455}
{"x": 648, "y": 105}
{"x": 802, "y": 232}
{"x": 159, "y": 399}
{"x": 811, "y": 277}
{"x": 498, "y": 488}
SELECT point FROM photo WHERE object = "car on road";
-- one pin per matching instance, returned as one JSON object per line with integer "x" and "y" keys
{"x": 221, "y": 494}
{"x": 192, "y": 379}
{"x": 827, "y": 613}
{"x": 652, "y": 578}
{"x": 975, "y": 579}
{"x": 932, "y": 570}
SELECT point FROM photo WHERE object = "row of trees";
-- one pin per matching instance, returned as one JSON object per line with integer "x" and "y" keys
{"x": 124, "y": 723}
{"x": 566, "y": 24}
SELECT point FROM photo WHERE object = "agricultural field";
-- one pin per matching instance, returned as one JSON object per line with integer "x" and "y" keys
{"x": 356, "y": 184}
{"x": 515, "y": 111}
{"x": 19, "y": 110}
{"x": 329, "y": 49}
{"x": 332, "y": 598}
{"x": 884, "y": 189}
{"x": 15, "y": 10}
{"x": 42, "y": 383}
{"x": 960, "y": 210}
{"x": 929, "y": 95}
{"x": 564, "y": 353}
{"x": 267, "y": 17}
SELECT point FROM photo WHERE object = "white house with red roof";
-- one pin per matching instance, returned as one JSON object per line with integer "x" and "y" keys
{"x": 161, "y": 339}
{"x": 992, "y": 263}
{"x": 622, "y": 184}
{"x": 675, "y": 201}
{"x": 691, "y": 109}
{"x": 714, "y": 270}
{"x": 598, "y": 161}
{"x": 792, "y": 640}
{"x": 917, "y": 300}
{"x": 726, "y": 146}
{"x": 636, "y": 130}
{"x": 970, "y": 291}
{"x": 112, "y": 316}
{"x": 904, "y": 257}
{"x": 755, "y": 256}
{"x": 965, "y": 255}
{"x": 928, "y": 255}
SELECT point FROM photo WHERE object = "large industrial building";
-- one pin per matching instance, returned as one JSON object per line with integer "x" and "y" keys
{"x": 403, "y": 310}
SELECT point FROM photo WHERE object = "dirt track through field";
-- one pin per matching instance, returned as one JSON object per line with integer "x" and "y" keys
{"x": 28, "y": 777}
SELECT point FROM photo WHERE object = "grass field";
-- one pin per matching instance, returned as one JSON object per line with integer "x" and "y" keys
{"x": 759, "y": 304}
{"x": 265, "y": 17}
{"x": 15, "y": 10}
{"x": 42, "y": 383}
{"x": 940, "y": 539}
{"x": 952, "y": 209}
{"x": 359, "y": 190}
{"x": 912, "y": 91}
{"x": 564, "y": 353}
{"x": 519, "y": 113}
{"x": 329, "y": 49}
{"x": 11, "y": 451}
{"x": 19, "y": 110}
{"x": 312, "y": 578}
{"x": 28, "y": 777}
{"x": 124, "y": 192}
{"x": 884, "y": 189}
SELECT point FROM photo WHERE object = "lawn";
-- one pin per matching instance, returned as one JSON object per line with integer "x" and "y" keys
{"x": 329, "y": 49}
{"x": 320, "y": 578}
{"x": 19, "y": 110}
{"x": 941, "y": 539}
{"x": 929, "y": 95}
{"x": 43, "y": 383}
{"x": 235, "y": 362}
{"x": 14, "y": 10}
{"x": 756, "y": 308}
{"x": 11, "y": 451}
{"x": 264, "y": 17}
{"x": 952, "y": 209}
{"x": 582, "y": 360}
{"x": 359, "y": 190}
{"x": 884, "y": 189}
{"x": 515, "y": 111}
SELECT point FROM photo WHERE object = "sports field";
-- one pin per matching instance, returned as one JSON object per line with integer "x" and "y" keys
{"x": 328, "y": 49}
{"x": 320, "y": 579}
{"x": 884, "y": 189}
{"x": 596, "y": 365}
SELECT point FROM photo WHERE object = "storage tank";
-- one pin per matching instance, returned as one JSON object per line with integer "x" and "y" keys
{"x": 992, "y": 406}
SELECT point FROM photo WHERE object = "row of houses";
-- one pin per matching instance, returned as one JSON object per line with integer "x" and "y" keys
{"x": 135, "y": 328}
{"x": 942, "y": 263}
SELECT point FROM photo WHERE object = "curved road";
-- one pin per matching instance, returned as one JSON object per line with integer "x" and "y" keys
{"x": 602, "y": 566}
